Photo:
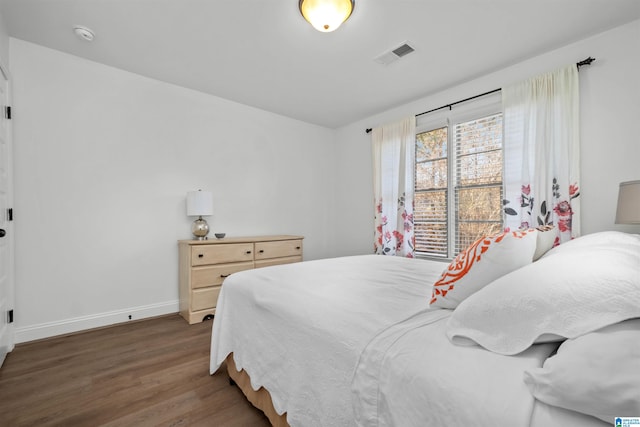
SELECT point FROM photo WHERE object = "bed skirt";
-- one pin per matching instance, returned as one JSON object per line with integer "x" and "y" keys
{"x": 261, "y": 398}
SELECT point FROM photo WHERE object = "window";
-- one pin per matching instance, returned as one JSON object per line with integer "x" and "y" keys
{"x": 458, "y": 182}
{"x": 431, "y": 195}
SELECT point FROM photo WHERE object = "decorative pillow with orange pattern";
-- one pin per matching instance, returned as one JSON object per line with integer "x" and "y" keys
{"x": 487, "y": 259}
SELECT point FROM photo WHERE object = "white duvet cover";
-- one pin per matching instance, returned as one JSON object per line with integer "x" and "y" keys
{"x": 299, "y": 329}
{"x": 412, "y": 375}
{"x": 551, "y": 416}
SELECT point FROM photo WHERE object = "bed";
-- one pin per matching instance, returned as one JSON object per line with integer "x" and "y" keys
{"x": 386, "y": 341}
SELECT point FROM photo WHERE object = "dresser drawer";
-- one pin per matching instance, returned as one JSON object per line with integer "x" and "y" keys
{"x": 214, "y": 275}
{"x": 277, "y": 249}
{"x": 221, "y": 254}
{"x": 204, "y": 298}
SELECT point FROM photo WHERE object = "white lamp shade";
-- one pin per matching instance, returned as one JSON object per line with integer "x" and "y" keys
{"x": 199, "y": 203}
{"x": 326, "y": 15}
{"x": 628, "y": 211}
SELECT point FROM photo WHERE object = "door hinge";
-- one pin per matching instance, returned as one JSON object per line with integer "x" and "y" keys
{"x": 10, "y": 214}
{"x": 10, "y": 316}
{"x": 7, "y": 112}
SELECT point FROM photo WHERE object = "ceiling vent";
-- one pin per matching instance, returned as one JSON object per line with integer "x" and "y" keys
{"x": 394, "y": 54}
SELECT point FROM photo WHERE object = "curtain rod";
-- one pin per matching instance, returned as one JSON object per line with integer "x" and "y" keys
{"x": 587, "y": 61}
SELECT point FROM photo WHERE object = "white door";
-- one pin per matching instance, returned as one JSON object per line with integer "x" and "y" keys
{"x": 6, "y": 226}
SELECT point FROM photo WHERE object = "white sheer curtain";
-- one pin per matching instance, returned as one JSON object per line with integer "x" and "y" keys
{"x": 542, "y": 153}
{"x": 393, "y": 178}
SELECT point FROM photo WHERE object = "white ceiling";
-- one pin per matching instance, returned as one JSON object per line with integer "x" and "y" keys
{"x": 264, "y": 54}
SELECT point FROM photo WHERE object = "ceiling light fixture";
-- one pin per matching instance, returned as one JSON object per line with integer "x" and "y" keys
{"x": 84, "y": 33}
{"x": 326, "y": 15}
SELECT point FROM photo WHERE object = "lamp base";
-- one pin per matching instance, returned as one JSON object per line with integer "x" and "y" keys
{"x": 200, "y": 229}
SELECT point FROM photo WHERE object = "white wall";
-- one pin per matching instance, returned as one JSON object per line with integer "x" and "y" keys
{"x": 103, "y": 161}
{"x": 610, "y": 110}
{"x": 4, "y": 43}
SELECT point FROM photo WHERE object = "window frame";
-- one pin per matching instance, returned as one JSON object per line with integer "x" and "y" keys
{"x": 449, "y": 117}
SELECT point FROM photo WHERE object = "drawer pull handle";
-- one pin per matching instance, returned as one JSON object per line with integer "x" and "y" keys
{"x": 297, "y": 247}
{"x": 224, "y": 275}
{"x": 200, "y": 255}
{"x": 261, "y": 251}
{"x": 248, "y": 252}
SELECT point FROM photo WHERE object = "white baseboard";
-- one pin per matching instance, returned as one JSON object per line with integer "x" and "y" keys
{"x": 50, "y": 329}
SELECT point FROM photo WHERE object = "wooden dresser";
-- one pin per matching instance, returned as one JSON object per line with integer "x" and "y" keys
{"x": 204, "y": 264}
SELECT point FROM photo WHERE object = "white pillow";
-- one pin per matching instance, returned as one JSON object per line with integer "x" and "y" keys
{"x": 606, "y": 238}
{"x": 596, "y": 374}
{"x": 563, "y": 295}
{"x": 545, "y": 240}
{"x": 481, "y": 263}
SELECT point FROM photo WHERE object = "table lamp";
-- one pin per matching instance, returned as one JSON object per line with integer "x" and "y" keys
{"x": 628, "y": 211}
{"x": 199, "y": 203}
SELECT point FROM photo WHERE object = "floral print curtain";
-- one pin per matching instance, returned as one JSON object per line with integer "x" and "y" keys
{"x": 542, "y": 153}
{"x": 393, "y": 182}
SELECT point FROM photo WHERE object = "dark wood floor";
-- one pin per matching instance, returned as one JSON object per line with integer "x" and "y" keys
{"x": 147, "y": 373}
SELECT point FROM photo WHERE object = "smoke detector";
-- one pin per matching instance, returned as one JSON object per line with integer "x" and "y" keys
{"x": 394, "y": 54}
{"x": 84, "y": 33}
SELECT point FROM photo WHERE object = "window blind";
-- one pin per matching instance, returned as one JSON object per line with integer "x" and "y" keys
{"x": 458, "y": 182}
{"x": 477, "y": 179}
{"x": 431, "y": 195}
